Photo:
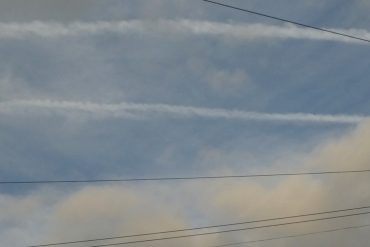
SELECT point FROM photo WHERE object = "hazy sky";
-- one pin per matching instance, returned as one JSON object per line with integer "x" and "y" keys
{"x": 122, "y": 88}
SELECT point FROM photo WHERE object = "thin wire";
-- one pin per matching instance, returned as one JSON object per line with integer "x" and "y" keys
{"x": 182, "y": 178}
{"x": 292, "y": 236}
{"x": 227, "y": 231}
{"x": 200, "y": 228}
{"x": 288, "y": 21}
{"x": 224, "y": 231}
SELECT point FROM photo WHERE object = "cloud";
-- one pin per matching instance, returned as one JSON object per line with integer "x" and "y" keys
{"x": 94, "y": 211}
{"x": 238, "y": 31}
{"x": 24, "y": 217}
{"x": 145, "y": 110}
{"x": 109, "y": 210}
{"x": 288, "y": 196}
{"x": 348, "y": 151}
{"x": 117, "y": 208}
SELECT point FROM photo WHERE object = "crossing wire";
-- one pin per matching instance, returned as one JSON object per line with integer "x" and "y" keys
{"x": 288, "y": 21}
{"x": 292, "y": 236}
{"x": 181, "y": 178}
{"x": 223, "y": 231}
{"x": 204, "y": 227}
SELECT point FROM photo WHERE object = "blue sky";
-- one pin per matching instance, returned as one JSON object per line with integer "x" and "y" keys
{"x": 70, "y": 69}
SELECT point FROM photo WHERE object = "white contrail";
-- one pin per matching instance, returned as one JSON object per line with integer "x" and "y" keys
{"x": 236, "y": 31}
{"x": 149, "y": 110}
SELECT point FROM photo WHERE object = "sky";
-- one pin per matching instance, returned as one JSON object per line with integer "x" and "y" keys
{"x": 93, "y": 89}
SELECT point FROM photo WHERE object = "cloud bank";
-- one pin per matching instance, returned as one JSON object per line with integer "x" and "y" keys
{"x": 125, "y": 109}
{"x": 111, "y": 210}
{"x": 236, "y": 31}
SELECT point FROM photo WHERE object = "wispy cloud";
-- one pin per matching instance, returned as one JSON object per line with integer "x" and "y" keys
{"x": 217, "y": 29}
{"x": 149, "y": 110}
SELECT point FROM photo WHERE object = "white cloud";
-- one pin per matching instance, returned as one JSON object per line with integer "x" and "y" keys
{"x": 256, "y": 199}
{"x": 91, "y": 212}
{"x": 125, "y": 109}
{"x": 100, "y": 211}
{"x": 238, "y": 31}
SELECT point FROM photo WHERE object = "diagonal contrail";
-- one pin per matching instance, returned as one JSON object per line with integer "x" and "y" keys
{"x": 165, "y": 110}
{"x": 236, "y": 31}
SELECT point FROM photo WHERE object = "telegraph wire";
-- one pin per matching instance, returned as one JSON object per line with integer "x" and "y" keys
{"x": 292, "y": 236}
{"x": 201, "y": 228}
{"x": 222, "y": 231}
{"x": 288, "y": 21}
{"x": 228, "y": 231}
{"x": 181, "y": 178}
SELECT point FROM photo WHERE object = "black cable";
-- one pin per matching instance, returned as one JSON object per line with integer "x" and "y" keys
{"x": 292, "y": 236}
{"x": 288, "y": 21}
{"x": 227, "y": 231}
{"x": 200, "y": 228}
{"x": 182, "y": 178}
{"x": 222, "y": 231}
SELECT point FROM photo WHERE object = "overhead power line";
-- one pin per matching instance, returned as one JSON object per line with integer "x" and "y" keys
{"x": 223, "y": 231}
{"x": 292, "y": 236}
{"x": 183, "y": 178}
{"x": 228, "y": 231}
{"x": 288, "y": 21}
{"x": 201, "y": 228}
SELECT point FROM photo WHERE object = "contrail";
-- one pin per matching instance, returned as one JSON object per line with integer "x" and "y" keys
{"x": 236, "y": 31}
{"x": 123, "y": 109}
